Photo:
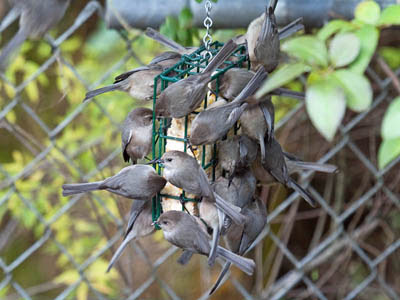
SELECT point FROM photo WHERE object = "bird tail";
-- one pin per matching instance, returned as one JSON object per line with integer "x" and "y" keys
{"x": 102, "y": 90}
{"x": 247, "y": 265}
{"x": 252, "y": 86}
{"x": 222, "y": 55}
{"x": 78, "y": 188}
{"x": 12, "y": 47}
{"x": 118, "y": 253}
{"x": 155, "y": 35}
{"x": 305, "y": 194}
{"x": 288, "y": 93}
{"x": 291, "y": 28}
{"x": 185, "y": 257}
{"x": 229, "y": 209}
{"x": 221, "y": 276}
{"x": 324, "y": 168}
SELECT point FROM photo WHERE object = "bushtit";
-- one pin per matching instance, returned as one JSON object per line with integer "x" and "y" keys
{"x": 233, "y": 81}
{"x": 182, "y": 230}
{"x": 212, "y": 124}
{"x": 257, "y": 122}
{"x": 240, "y": 237}
{"x": 139, "y": 182}
{"x": 294, "y": 165}
{"x": 267, "y": 46}
{"x": 139, "y": 82}
{"x": 140, "y": 224}
{"x": 263, "y": 38}
{"x": 236, "y": 154}
{"x": 183, "y": 171}
{"x": 275, "y": 164}
{"x": 162, "y": 39}
{"x": 36, "y": 18}
{"x": 136, "y": 134}
{"x": 239, "y": 190}
{"x": 186, "y": 95}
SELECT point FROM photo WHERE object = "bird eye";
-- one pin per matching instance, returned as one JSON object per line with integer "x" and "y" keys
{"x": 169, "y": 159}
{"x": 165, "y": 222}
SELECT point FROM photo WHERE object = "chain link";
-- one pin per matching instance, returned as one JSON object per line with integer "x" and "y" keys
{"x": 207, "y": 39}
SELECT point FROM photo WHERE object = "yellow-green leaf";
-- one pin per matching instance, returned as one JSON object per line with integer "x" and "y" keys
{"x": 368, "y": 12}
{"x": 388, "y": 151}
{"x": 282, "y": 76}
{"x": 369, "y": 37}
{"x": 390, "y": 15}
{"x": 357, "y": 89}
{"x": 326, "y": 105}
{"x": 307, "y": 48}
{"x": 391, "y": 121}
{"x": 344, "y": 48}
{"x": 334, "y": 26}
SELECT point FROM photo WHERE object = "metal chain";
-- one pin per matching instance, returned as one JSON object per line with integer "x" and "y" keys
{"x": 207, "y": 39}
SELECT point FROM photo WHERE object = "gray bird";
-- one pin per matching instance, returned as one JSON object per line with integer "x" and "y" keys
{"x": 257, "y": 122}
{"x": 136, "y": 135}
{"x": 236, "y": 154}
{"x": 162, "y": 39}
{"x": 212, "y": 124}
{"x": 240, "y": 237}
{"x": 139, "y": 82}
{"x": 275, "y": 164}
{"x": 232, "y": 82}
{"x": 139, "y": 182}
{"x": 183, "y": 231}
{"x": 183, "y": 171}
{"x": 185, "y": 96}
{"x": 36, "y": 18}
{"x": 294, "y": 165}
{"x": 140, "y": 224}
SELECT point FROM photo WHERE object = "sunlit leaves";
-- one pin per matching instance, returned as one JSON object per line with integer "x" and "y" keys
{"x": 333, "y": 27}
{"x": 344, "y": 48}
{"x": 282, "y": 76}
{"x": 391, "y": 121}
{"x": 369, "y": 37}
{"x": 388, "y": 151}
{"x": 367, "y": 12}
{"x": 326, "y": 105}
{"x": 357, "y": 89}
{"x": 307, "y": 48}
{"x": 390, "y": 15}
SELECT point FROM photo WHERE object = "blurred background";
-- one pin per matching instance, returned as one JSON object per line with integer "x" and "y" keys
{"x": 53, "y": 247}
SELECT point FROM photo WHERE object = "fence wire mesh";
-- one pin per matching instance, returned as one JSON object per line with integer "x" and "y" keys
{"x": 58, "y": 248}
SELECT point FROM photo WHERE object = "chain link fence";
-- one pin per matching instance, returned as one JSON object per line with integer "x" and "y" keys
{"x": 58, "y": 248}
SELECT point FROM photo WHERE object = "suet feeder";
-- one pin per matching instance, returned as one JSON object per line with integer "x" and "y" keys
{"x": 187, "y": 66}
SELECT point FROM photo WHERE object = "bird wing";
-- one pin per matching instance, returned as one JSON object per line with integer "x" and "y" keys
{"x": 125, "y": 75}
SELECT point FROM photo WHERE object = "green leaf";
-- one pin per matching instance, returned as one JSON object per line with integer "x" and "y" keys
{"x": 326, "y": 105}
{"x": 282, "y": 76}
{"x": 368, "y": 12}
{"x": 391, "y": 121}
{"x": 185, "y": 18}
{"x": 369, "y": 37}
{"x": 357, "y": 89}
{"x": 390, "y": 15}
{"x": 391, "y": 55}
{"x": 388, "y": 151}
{"x": 344, "y": 49}
{"x": 307, "y": 48}
{"x": 334, "y": 26}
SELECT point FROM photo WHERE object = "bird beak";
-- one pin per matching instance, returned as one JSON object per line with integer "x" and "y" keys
{"x": 155, "y": 161}
{"x": 155, "y": 223}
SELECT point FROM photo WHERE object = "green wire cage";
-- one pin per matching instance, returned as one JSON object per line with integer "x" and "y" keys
{"x": 188, "y": 65}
